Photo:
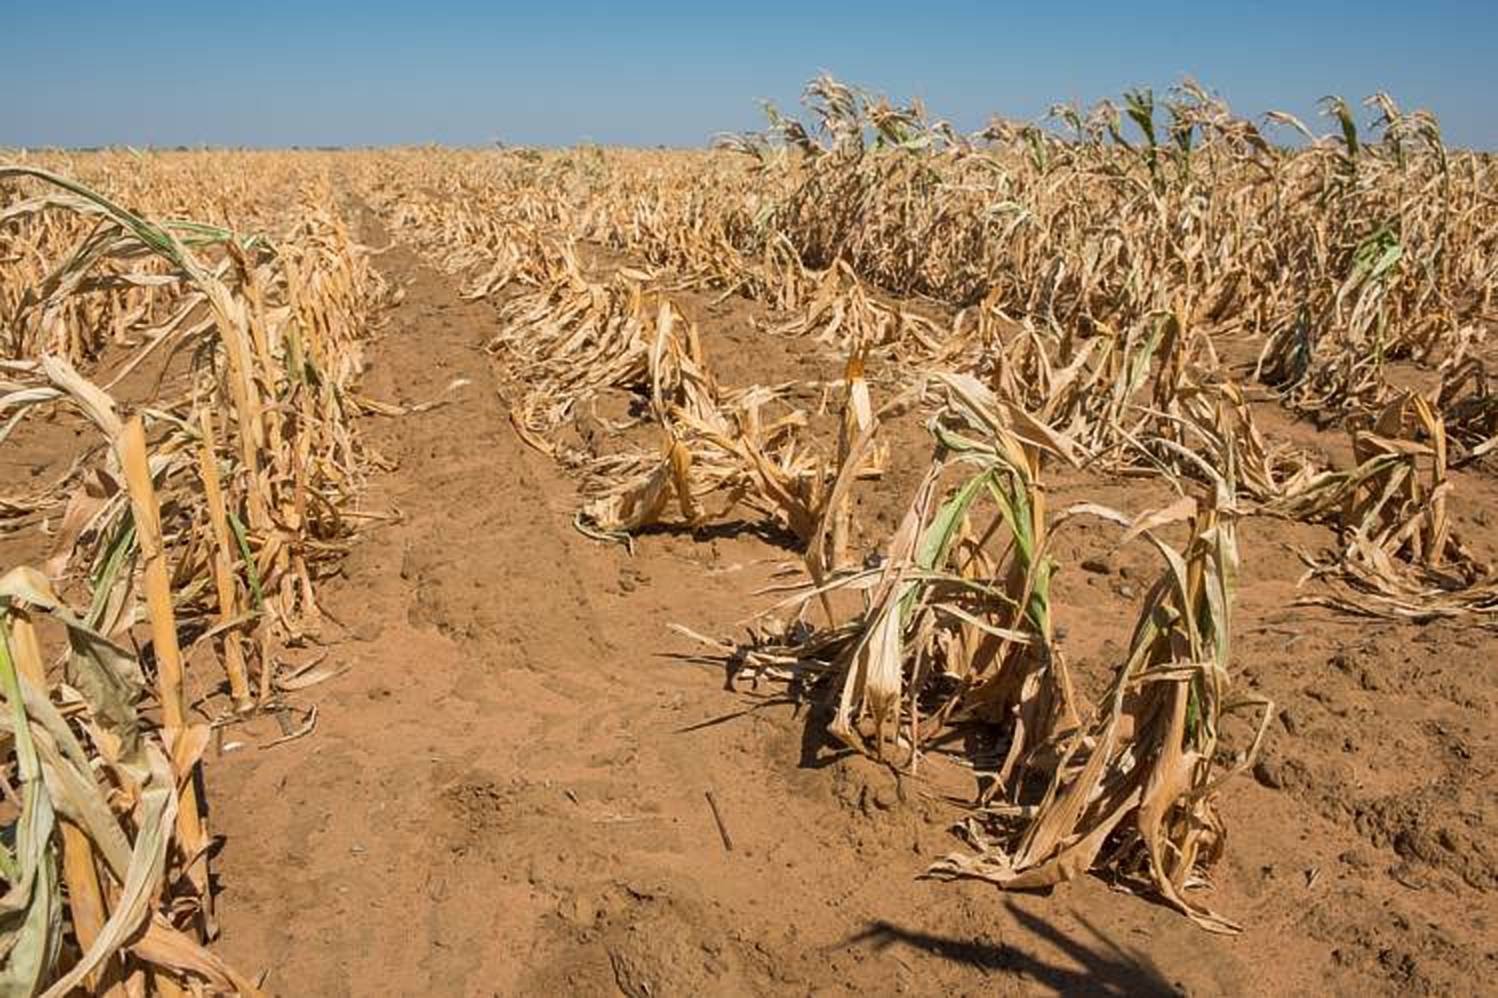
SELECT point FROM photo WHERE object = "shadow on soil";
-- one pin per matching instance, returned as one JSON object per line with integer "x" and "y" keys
{"x": 1103, "y": 968}
{"x": 761, "y": 530}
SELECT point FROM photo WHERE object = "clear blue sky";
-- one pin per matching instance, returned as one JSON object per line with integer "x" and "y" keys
{"x": 267, "y": 72}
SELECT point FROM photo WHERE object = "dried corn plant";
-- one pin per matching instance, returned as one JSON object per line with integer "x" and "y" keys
{"x": 217, "y": 505}
{"x": 956, "y": 622}
{"x": 727, "y": 443}
{"x": 568, "y": 340}
{"x": 1134, "y": 788}
{"x": 957, "y": 631}
{"x": 977, "y": 627}
{"x": 107, "y": 874}
{"x": 1400, "y": 555}
{"x": 284, "y": 325}
{"x": 842, "y": 314}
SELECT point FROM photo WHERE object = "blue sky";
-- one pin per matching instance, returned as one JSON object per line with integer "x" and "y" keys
{"x": 268, "y": 73}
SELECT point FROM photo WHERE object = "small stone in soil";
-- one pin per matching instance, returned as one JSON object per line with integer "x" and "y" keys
{"x": 1268, "y": 774}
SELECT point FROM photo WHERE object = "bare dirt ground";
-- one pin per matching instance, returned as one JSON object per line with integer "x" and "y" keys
{"x": 506, "y": 794}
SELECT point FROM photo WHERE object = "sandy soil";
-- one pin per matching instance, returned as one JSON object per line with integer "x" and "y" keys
{"x": 507, "y": 792}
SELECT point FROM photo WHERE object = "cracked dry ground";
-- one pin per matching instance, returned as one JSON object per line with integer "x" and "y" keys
{"x": 505, "y": 794}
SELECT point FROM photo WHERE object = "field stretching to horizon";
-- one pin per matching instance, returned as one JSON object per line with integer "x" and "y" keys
{"x": 859, "y": 556}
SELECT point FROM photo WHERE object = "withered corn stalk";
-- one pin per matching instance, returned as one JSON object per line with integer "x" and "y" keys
{"x": 720, "y": 442}
{"x": 214, "y": 495}
{"x": 1134, "y": 789}
{"x": 111, "y": 800}
{"x": 1400, "y": 554}
{"x": 957, "y": 631}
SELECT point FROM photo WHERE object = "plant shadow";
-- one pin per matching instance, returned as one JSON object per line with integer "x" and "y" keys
{"x": 1103, "y": 967}
{"x": 767, "y": 531}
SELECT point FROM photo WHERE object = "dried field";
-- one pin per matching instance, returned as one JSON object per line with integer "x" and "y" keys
{"x": 861, "y": 557}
